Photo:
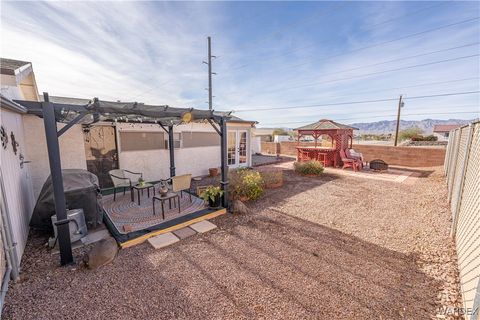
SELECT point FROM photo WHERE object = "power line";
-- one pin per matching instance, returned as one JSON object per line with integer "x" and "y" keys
{"x": 389, "y": 110}
{"x": 374, "y": 73}
{"x": 407, "y": 87}
{"x": 360, "y": 102}
{"x": 371, "y": 27}
{"x": 385, "y": 42}
{"x": 406, "y": 58}
{"x": 379, "y": 72}
{"x": 390, "y": 115}
{"x": 409, "y": 14}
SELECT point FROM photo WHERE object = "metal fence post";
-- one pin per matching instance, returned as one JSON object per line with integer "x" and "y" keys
{"x": 455, "y": 151}
{"x": 224, "y": 160}
{"x": 448, "y": 154}
{"x": 171, "y": 149}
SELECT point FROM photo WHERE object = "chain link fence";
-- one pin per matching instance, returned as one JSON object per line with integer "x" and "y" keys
{"x": 462, "y": 171}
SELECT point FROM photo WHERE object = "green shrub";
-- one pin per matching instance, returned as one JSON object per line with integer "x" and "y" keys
{"x": 245, "y": 183}
{"x": 423, "y": 138}
{"x": 409, "y": 133}
{"x": 311, "y": 167}
{"x": 271, "y": 177}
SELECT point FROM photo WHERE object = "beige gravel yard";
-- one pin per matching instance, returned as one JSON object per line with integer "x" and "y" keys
{"x": 333, "y": 247}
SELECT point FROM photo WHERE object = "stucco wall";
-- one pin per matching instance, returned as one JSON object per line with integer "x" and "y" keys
{"x": 155, "y": 164}
{"x": 72, "y": 150}
{"x": 256, "y": 144}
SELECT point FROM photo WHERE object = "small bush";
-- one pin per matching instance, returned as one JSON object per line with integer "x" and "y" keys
{"x": 409, "y": 133}
{"x": 271, "y": 177}
{"x": 422, "y": 138}
{"x": 245, "y": 183}
{"x": 308, "y": 168}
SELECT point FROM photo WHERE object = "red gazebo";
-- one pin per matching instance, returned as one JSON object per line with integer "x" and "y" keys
{"x": 341, "y": 137}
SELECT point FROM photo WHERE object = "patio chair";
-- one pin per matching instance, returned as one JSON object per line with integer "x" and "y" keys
{"x": 348, "y": 162}
{"x": 120, "y": 180}
{"x": 180, "y": 184}
{"x": 351, "y": 154}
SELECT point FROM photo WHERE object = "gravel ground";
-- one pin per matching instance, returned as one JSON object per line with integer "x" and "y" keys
{"x": 333, "y": 247}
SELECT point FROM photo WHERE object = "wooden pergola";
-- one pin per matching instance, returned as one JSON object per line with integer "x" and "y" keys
{"x": 107, "y": 111}
{"x": 341, "y": 137}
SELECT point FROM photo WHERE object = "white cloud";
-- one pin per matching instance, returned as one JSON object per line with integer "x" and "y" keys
{"x": 152, "y": 52}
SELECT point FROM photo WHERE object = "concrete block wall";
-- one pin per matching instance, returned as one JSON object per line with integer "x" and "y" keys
{"x": 269, "y": 147}
{"x": 401, "y": 156}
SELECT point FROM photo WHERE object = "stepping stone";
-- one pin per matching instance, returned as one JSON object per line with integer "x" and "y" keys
{"x": 203, "y": 226}
{"x": 184, "y": 232}
{"x": 163, "y": 240}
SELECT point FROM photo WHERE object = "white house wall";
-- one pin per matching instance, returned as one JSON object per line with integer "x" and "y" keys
{"x": 17, "y": 180}
{"x": 440, "y": 136}
{"x": 72, "y": 150}
{"x": 155, "y": 164}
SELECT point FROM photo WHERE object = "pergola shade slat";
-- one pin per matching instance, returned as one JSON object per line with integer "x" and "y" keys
{"x": 99, "y": 110}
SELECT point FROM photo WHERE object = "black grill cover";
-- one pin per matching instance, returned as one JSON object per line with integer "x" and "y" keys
{"x": 81, "y": 192}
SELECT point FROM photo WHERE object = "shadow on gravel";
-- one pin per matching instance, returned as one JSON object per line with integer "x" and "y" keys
{"x": 269, "y": 265}
{"x": 420, "y": 173}
{"x": 295, "y": 184}
{"x": 264, "y": 265}
{"x": 326, "y": 272}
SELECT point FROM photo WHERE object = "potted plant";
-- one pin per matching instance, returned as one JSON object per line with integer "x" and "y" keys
{"x": 141, "y": 182}
{"x": 213, "y": 172}
{"x": 213, "y": 195}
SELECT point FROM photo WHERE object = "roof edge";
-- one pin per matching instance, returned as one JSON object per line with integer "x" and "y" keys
{"x": 12, "y": 106}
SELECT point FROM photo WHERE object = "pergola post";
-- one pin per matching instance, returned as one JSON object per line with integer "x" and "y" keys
{"x": 171, "y": 149}
{"x": 224, "y": 169}
{"x": 51, "y": 135}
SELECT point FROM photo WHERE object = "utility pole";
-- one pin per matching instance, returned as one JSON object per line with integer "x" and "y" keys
{"x": 210, "y": 73}
{"x": 400, "y": 105}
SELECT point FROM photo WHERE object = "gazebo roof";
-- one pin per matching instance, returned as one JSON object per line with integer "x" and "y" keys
{"x": 325, "y": 124}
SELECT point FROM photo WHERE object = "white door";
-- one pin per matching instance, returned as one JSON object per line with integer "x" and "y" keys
{"x": 18, "y": 191}
{"x": 237, "y": 155}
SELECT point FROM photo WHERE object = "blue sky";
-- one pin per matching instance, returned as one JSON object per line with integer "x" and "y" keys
{"x": 269, "y": 55}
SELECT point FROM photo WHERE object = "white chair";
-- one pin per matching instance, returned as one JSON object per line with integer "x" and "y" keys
{"x": 120, "y": 180}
